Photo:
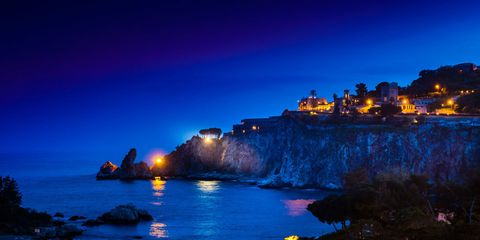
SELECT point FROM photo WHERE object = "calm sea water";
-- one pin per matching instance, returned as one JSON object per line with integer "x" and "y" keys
{"x": 181, "y": 209}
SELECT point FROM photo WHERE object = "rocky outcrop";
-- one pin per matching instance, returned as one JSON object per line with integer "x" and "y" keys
{"x": 127, "y": 170}
{"x": 125, "y": 214}
{"x": 107, "y": 171}
{"x": 301, "y": 153}
{"x": 142, "y": 170}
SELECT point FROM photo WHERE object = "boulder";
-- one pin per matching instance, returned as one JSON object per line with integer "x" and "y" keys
{"x": 93, "y": 222}
{"x": 127, "y": 169}
{"x": 69, "y": 231}
{"x": 107, "y": 171}
{"x": 142, "y": 171}
{"x": 75, "y": 218}
{"x": 46, "y": 232}
{"x": 58, "y": 215}
{"x": 125, "y": 214}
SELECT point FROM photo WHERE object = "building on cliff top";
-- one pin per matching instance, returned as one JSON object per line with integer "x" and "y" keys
{"x": 255, "y": 125}
{"x": 313, "y": 103}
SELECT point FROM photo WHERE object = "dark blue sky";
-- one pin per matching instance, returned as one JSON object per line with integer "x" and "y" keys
{"x": 104, "y": 76}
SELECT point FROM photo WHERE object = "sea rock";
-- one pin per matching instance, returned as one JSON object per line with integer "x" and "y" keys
{"x": 107, "y": 171}
{"x": 75, "y": 218}
{"x": 93, "y": 222}
{"x": 127, "y": 169}
{"x": 59, "y": 215}
{"x": 125, "y": 214}
{"x": 142, "y": 171}
{"x": 46, "y": 232}
{"x": 69, "y": 231}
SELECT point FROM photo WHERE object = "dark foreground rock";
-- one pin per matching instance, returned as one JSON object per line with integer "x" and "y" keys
{"x": 128, "y": 170}
{"x": 122, "y": 214}
{"x": 125, "y": 214}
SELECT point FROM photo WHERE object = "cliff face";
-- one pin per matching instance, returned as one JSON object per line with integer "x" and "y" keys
{"x": 298, "y": 154}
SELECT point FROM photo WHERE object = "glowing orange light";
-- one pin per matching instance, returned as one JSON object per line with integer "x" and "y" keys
{"x": 158, "y": 160}
{"x": 450, "y": 102}
{"x": 404, "y": 101}
{"x": 369, "y": 101}
{"x": 293, "y": 237}
{"x": 207, "y": 140}
{"x": 437, "y": 86}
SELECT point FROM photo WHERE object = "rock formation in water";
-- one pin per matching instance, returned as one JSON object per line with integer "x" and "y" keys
{"x": 127, "y": 170}
{"x": 142, "y": 170}
{"x": 124, "y": 214}
{"x": 107, "y": 171}
{"x": 314, "y": 152}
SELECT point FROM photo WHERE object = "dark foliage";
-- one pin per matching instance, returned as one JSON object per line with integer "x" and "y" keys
{"x": 9, "y": 195}
{"x": 211, "y": 131}
{"x": 392, "y": 207}
{"x": 361, "y": 90}
{"x": 469, "y": 103}
{"x": 453, "y": 78}
{"x": 13, "y": 218}
{"x": 386, "y": 110}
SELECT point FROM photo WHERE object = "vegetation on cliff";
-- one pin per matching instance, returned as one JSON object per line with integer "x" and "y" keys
{"x": 453, "y": 78}
{"x": 402, "y": 207}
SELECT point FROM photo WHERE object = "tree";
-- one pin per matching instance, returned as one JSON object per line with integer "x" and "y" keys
{"x": 361, "y": 90}
{"x": 469, "y": 103}
{"x": 388, "y": 109}
{"x": 217, "y": 132}
{"x": 331, "y": 210}
{"x": 10, "y": 196}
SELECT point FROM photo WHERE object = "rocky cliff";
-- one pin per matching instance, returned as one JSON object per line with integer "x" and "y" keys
{"x": 303, "y": 153}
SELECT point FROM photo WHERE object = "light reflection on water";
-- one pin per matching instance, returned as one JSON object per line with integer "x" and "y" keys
{"x": 297, "y": 207}
{"x": 158, "y": 230}
{"x": 208, "y": 186}
{"x": 208, "y": 201}
{"x": 158, "y": 186}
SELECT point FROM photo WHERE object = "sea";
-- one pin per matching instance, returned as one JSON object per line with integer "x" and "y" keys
{"x": 182, "y": 209}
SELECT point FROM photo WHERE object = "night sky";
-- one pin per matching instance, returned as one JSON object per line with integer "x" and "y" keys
{"x": 105, "y": 76}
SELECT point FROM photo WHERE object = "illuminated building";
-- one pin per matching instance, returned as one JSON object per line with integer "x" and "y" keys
{"x": 313, "y": 103}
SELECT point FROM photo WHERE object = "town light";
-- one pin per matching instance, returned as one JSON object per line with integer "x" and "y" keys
{"x": 437, "y": 86}
{"x": 369, "y": 101}
{"x": 158, "y": 160}
{"x": 450, "y": 102}
{"x": 404, "y": 101}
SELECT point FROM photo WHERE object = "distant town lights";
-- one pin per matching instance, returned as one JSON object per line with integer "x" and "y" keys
{"x": 437, "y": 86}
{"x": 369, "y": 101}
{"x": 450, "y": 102}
